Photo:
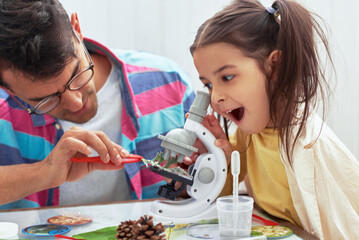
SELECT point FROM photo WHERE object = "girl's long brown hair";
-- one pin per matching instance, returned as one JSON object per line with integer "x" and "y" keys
{"x": 300, "y": 81}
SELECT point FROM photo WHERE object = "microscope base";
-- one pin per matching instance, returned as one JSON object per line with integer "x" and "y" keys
{"x": 210, "y": 213}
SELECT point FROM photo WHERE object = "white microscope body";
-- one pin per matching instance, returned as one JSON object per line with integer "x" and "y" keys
{"x": 208, "y": 173}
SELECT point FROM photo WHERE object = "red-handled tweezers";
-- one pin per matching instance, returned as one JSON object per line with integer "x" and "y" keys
{"x": 132, "y": 158}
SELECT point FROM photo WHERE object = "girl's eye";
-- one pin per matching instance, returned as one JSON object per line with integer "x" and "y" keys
{"x": 208, "y": 86}
{"x": 227, "y": 77}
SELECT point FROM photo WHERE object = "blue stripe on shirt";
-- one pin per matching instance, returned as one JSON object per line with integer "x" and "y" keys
{"x": 7, "y": 134}
{"x": 22, "y": 203}
{"x": 151, "y": 191}
{"x": 153, "y": 124}
{"x": 150, "y": 60}
{"x": 150, "y": 147}
{"x": 24, "y": 140}
{"x": 10, "y": 155}
{"x": 18, "y": 140}
{"x": 153, "y": 80}
{"x": 132, "y": 169}
{"x": 50, "y": 197}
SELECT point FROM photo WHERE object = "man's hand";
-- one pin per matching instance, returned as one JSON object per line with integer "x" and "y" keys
{"x": 20, "y": 180}
{"x": 77, "y": 142}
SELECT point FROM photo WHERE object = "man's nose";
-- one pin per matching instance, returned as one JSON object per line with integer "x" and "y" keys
{"x": 72, "y": 100}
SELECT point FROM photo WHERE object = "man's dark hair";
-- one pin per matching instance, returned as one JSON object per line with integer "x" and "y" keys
{"x": 35, "y": 38}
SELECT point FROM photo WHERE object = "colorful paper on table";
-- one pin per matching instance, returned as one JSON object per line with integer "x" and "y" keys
{"x": 69, "y": 220}
{"x": 272, "y": 232}
{"x": 46, "y": 230}
{"x": 173, "y": 232}
{"x": 108, "y": 233}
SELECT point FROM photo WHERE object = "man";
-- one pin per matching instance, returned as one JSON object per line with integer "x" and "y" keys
{"x": 46, "y": 68}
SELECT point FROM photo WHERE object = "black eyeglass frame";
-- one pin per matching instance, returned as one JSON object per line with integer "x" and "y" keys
{"x": 67, "y": 86}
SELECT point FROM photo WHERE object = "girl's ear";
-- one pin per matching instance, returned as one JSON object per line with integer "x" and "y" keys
{"x": 76, "y": 24}
{"x": 273, "y": 62}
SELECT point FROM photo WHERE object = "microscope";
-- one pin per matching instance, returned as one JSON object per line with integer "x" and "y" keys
{"x": 204, "y": 180}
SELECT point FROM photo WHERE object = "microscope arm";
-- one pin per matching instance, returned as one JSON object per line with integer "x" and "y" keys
{"x": 210, "y": 172}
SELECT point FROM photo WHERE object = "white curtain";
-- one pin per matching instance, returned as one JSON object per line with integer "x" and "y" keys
{"x": 168, "y": 27}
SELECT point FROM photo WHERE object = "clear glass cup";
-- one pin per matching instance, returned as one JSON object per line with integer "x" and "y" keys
{"x": 235, "y": 217}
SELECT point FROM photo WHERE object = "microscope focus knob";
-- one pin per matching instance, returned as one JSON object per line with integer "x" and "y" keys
{"x": 206, "y": 175}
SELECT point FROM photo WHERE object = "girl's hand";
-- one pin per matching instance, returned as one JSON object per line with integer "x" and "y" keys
{"x": 211, "y": 123}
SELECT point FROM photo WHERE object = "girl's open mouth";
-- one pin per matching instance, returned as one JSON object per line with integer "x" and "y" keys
{"x": 237, "y": 113}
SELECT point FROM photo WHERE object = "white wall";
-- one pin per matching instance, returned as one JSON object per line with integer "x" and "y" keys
{"x": 168, "y": 27}
{"x": 165, "y": 27}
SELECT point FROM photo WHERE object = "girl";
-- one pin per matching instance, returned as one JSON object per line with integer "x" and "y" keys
{"x": 262, "y": 69}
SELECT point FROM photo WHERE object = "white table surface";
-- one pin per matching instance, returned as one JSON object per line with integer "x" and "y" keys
{"x": 105, "y": 215}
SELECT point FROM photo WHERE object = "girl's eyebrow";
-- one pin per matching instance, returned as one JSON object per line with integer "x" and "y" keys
{"x": 202, "y": 78}
{"x": 218, "y": 71}
{"x": 223, "y": 68}
{"x": 75, "y": 70}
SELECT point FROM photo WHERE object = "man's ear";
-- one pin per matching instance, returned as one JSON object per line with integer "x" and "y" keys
{"x": 76, "y": 24}
{"x": 273, "y": 62}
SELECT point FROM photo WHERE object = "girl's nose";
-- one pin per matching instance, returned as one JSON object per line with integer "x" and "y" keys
{"x": 72, "y": 100}
{"x": 217, "y": 96}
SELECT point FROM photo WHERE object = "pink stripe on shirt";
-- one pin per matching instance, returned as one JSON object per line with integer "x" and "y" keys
{"x": 134, "y": 69}
{"x": 39, "y": 197}
{"x": 22, "y": 122}
{"x": 136, "y": 185}
{"x": 56, "y": 197}
{"x": 168, "y": 95}
{"x": 149, "y": 178}
{"x": 127, "y": 127}
{"x": 49, "y": 119}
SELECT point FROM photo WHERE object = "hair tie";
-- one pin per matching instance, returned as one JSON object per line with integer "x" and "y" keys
{"x": 273, "y": 11}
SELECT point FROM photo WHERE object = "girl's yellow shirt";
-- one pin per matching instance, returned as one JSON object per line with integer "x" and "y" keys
{"x": 260, "y": 158}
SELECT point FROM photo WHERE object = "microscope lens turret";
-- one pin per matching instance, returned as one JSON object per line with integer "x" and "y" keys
{"x": 179, "y": 142}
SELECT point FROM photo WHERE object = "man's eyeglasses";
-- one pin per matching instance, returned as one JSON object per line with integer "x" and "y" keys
{"x": 78, "y": 81}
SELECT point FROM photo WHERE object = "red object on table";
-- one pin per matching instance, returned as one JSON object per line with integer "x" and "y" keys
{"x": 66, "y": 237}
{"x": 132, "y": 158}
{"x": 265, "y": 221}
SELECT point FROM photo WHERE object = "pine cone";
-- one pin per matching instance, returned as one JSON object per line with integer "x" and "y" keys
{"x": 146, "y": 229}
{"x": 125, "y": 230}
{"x": 141, "y": 229}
